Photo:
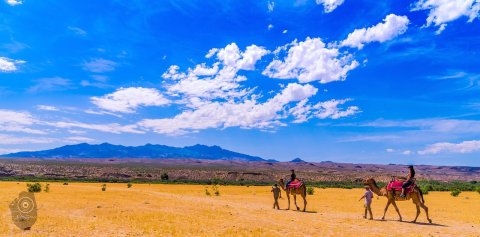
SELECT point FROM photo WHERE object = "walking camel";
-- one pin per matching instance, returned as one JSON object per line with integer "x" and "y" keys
{"x": 416, "y": 195}
{"x": 302, "y": 191}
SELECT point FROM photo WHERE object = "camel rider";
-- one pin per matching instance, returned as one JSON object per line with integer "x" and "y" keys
{"x": 410, "y": 180}
{"x": 293, "y": 176}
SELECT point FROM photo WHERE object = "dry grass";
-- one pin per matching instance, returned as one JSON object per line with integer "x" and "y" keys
{"x": 81, "y": 209}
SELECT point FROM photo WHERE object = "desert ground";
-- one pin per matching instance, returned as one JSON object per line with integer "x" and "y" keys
{"x": 82, "y": 209}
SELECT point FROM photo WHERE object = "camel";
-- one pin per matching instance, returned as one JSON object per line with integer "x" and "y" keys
{"x": 416, "y": 195}
{"x": 302, "y": 191}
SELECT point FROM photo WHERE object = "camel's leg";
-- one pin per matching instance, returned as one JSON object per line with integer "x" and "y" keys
{"x": 295, "y": 200}
{"x": 426, "y": 211}
{"x": 288, "y": 197}
{"x": 416, "y": 201}
{"x": 396, "y": 209}
{"x": 304, "y": 202}
{"x": 386, "y": 208}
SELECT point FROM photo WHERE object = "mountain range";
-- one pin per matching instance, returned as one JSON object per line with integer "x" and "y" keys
{"x": 106, "y": 150}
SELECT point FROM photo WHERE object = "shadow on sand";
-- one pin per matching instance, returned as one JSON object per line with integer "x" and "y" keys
{"x": 415, "y": 223}
{"x": 298, "y": 210}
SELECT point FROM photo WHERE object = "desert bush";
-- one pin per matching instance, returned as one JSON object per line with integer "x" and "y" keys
{"x": 478, "y": 190}
{"x": 215, "y": 189}
{"x": 34, "y": 188}
{"x": 207, "y": 192}
{"x": 47, "y": 188}
{"x": 310, "y": 190}
{"x": 425, "y": 189}
{"x": 129, "y": 185}
{"x": 164, "y": 177}
{"x": 104, "y": 187}
{"x": 65, "y": 183}
{"x": 455, "y": 193}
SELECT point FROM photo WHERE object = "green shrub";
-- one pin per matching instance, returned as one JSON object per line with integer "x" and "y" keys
{"x": 34, "y": 188}
{"x": 164, "y": 177}
{"x": 478, "y": 190}
{"x": 47, "y": 188}
{"x": 310, "y": 190}
{"x": 425, "y": 189}
{"x": 129, "y": 185}
{"x": 104, "y": 187}
{"x": 455, "y": 192}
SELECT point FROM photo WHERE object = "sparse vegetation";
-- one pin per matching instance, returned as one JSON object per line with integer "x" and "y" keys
{"x": 104, "y": 187}
{"x": 34, "y": 188}
{"x": 310, "y": 190}
{"x": 455, "y": 193}
{"x": 129, "y": 185}
{"x": 47, "y": 188}
{"x": 215, "y": 189}
{"x": 65, "y": 183}
{"x": 207, "y": 192}
{"x": 164, "y": 177}
{"x": 478, "y": 190}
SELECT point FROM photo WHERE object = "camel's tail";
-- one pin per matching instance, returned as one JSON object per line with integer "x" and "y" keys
{"x": 421, "y": 195}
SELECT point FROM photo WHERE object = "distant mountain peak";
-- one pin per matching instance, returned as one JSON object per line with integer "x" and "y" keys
{"x": 107, "y": 150}
{"x": 297, "y": 160}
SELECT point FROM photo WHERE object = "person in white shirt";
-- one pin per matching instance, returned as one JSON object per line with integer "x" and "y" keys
{"x": 368, "y": 201}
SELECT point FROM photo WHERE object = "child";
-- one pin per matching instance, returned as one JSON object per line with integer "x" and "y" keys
{"x": 276, "y": 194}
{"x": 368, "y": 201}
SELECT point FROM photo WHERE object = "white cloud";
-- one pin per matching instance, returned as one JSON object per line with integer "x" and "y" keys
{"x": 390, "y": 150}
{"x": 47, "y": 108}
{"x": 323, "y": 110}
{"x": 407, "y": 152}
{"x": 99, "y": 65}
{"x": 13, "y": 140}
{"x": 77, "y": 31}
{"x": 51, "y": 84}
{"x": 270, "y": 26}
{"x": 391, "y": 27}
{"x": 443, "y": 11}
{"x": 9, "y": 65}
{"x": 248, "y": 113}
{"x": 284, "y": 31}
{"x": 108, "y": 128}
{"x": 311, "y": 60}
{"x": 13, "y": 121}
{"x": 462, "y": 147}
{"x": 14, "y": 2}
{"x": 329, "y": 5}
{"x": 127, "y": 100}
{"x": 270, "y": 6}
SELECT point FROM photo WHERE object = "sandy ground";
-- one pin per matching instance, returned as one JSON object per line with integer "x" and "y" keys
{"x": 81, "y": 209}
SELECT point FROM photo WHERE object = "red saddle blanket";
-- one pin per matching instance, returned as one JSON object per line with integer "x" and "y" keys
{"x": 397, "y": 186}
{"x": 295, "y": 184}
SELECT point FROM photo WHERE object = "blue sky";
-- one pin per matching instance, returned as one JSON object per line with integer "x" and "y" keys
{"x": 340, "y": 80}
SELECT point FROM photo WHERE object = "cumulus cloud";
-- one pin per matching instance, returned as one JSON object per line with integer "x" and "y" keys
{"x": 9, "y": 65}
{"x": 329, "y": 5}
{"x": 323, "y": 110}
{"x": 246, "y": 114}
{"x": 14, "y": 2}
{"x": 127, "y": 100}
{"x": 391, "y": 27}
{"x": 310, "y": 60}
{"x": 14, "y": 121}
{"x": 47, "y": 108}
{"x": 462, "y": 147}
{"x": 442, "y": 12}
{"x": 99, "y": 65}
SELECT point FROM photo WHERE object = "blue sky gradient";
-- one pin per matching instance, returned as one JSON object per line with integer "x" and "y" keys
{"x": 350, "y": 81}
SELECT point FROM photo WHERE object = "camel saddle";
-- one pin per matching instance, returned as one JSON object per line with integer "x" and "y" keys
{"x": 397, "y": 186}
{"x": 295, "y": 184}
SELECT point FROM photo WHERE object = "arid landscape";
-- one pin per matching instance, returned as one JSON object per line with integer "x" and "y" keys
{"x": 204, "y": 170}
{"x": 82, "y": 209}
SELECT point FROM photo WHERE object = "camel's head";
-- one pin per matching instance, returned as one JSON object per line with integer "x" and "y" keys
{"x": 280, "y": 181}
{"x": 369, "y": 181}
